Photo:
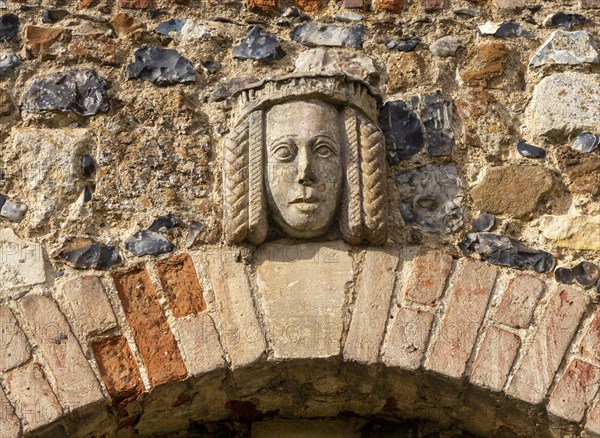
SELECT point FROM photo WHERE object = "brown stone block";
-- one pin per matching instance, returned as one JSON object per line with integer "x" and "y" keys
{"x": 573, "y": 393}
{"x": 308, "y": 5}
{"x": 390, "y": 5}
{"x": 149, "y": 325}
{"x": 262, "y": 5}
{"x": 95, "y": 47}
{"x": 118, "y": 369}
{"x": 354, "y": 4}
{"x": 428, "y": 276}
{"x": 432, "y": 5}
{"x": 519, "y": 301}
{"x": 485, "y": 63}
{"x": 134, "y": 4}
{"x": 46, "y": 40}
{"x": 124, "y": 24}
{"x": 180, "y": 283}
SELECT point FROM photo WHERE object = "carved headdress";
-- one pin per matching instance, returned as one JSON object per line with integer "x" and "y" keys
{"x": 363, "y": 213}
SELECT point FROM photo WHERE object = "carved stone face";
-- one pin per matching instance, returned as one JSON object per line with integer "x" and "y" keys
{"x": 304, "y": 166}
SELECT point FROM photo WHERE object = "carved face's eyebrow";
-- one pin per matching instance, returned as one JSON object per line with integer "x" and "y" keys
{"x": 332, "y": 141}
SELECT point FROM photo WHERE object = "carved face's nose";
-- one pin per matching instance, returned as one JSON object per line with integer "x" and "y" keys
{"x": 305, "y": 174}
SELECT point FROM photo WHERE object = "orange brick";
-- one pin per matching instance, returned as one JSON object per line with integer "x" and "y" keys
{"x": 390, "y": 5}
{"x": 308, "y": 5}
{"x": 428, "y": 276}
{"x": 262, "y": 5}
{"x": 180, "y": 283}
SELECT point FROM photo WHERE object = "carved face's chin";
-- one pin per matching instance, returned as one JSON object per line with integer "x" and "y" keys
{"x": 305, "y": 228}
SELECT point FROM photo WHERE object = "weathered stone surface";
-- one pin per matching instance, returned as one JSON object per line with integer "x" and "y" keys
{"x": 149, "y": 325}
{"x": 118, "y": 369}
{"x": 349, "y": 17}
{"x": 161, "y": 66}
{"x": 495, "y": 358}
{"x": 303, "y": 290}
{"x": 407, "y": 341}
{"x": 428, "y": 276}
{"x": 564, "y": 103}
{"x": 567, "y": 48}
{"x": 592, "y": 423}
{"x": 13, "y": 211}
{"x": 335, "y": 61}
{"x": 371, "y": 308}
{"x": 148, "y": 243}
{"x": 76, "y": 384}
{"x": 14, "y": 349}
{"x": 84, "y": 253}
{"x": 260, "y": 45}
{"x": 405, "y": 70}
{"x": 81, "y": 91}
{"x": 519, "y": 301}
{"x": 574, "y": 392}
{"x": 390, "y": 5}
{"x": 90, "y": 309}
{"x": 262, "y": 5}
{"x": 463, "y": 316}
{"x": 54, "y": 15}
{"x": 22, "y": 262}
{"x": 485, "y": 65}
{"x": 242, "y": 334}
{"x": 511, "y": 190}
{"x": 199, "y": 341}
{"x": 124, "y": 25}
{"x": 576, "y": 232}
{"x": 11, "y": 425}
{"x": 181, "y": 286}
{"x": 402, "y": 129}
{"x": 445, "y": 46}
{"x": 6, "y": 104}
{"x": 183, "y": 30}
{"x": 590, "y": 344}
{"x": 47, "y": 41}
{"x": 95, "y": 47}
{"x": 545, "y": 353}
{"x": 134, "y": 4}
{"x": 36, "y": 404}
{"x": 316, "y": 34}
{"x": 431, "y": 198}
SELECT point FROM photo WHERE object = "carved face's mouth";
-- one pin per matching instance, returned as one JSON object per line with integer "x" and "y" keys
{"x": 306, "y": 204}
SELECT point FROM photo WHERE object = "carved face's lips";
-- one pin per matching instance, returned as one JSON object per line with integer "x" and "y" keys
{"x": 307, "y": 204}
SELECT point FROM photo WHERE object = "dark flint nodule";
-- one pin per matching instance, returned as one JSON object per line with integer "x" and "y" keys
{"x": 402, "y": 129}
{"x": 404, "y": 45}
{"x": 172, "y": 25}
{"x": 9, "y": 27}
{"x": 436, "y": 116}
{"x": 8, "y": 63}
{"x": 165, "y": 223}
{"x": 564, "y": 275}
{"x": 260, "y": 45}
{"x": 148, "y": 243}
{"x": 485, "y": 222}
{"x": 87, "y": 194}
{"x": 211, "y": 66}
{"x": 88, "y": 165}
{"x": 567, "y": 21}
{"x": 331, "y": 35}
{"x": 586, "y": 274}
{"x": 530, "y": 151}
{"x": 87, "y": 254}
{"x": 54, "y": 15}
{"x": 504, "y": 251}
{"x": 3, "y": 199}
{"x": 161, "y": 66}
{"x": 467, "y": 12}
{"x": 510, "y": 29}
{"x": 81, "y": 91}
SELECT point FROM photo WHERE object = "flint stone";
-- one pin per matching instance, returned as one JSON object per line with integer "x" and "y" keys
{"x": 54, "y": 15}
{"x": 260, "y": 45}
{"x": 88, "y": 165}
{"x": 572, "y": 48}
{"x": 530, "y": 151}
{"x": 8, "y": 64}
{"x": 586, "y": 274}
{"x": 444, "y": 47}
{"x": 321, "y": 61}
{"x": 13, "y": 211}
{"x": 504, "y": 29}
{"x": 564, "y": 275}
{"x": 161, "y": 66}
{"x": 563, "y": 104}
{"x": 565, "y": 21}
{"x": 183, "y": 30}
{"x": 331, "y": 35}
{"x": 436, "y": 115}
{"x": 165, "y": 223}
{"x": 405, "y": 45}
{"x": 504, "y": 251}
{"x": 148, "y": 243}
{"x": 467, "y": 12}
{"x": 349, "y": 17}
{"x": 81, "y": 91}
{"x": 431, "y": 198}
{"x": 586, "y": 142}
{"x": 196, "y": 228}
{"x": 87, "y": 254}
{"x": 402, "y": 129}
{"x": 485, "y": 222}
{"x": 9, "y": 27}
{"x": 22, "y": 262}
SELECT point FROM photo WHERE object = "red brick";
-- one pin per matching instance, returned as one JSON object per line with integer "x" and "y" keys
{"x": 262, "y": 5}
{"x": 518, "y": 303}
{"x": 35, "y": 402}
{"x": 408, "y": 338}
{"x": 590, "y": 345}
{"x": 118, "y": 369}
{"x": 180, "y": 283}
{"x": 76, "y": 384}
{"x": 554, "y": 334}
{"x": 432, "y": 5}
{"x": 134, "y": 4}
{"x": 495, "y": 358}
{"x": 149, "y": 325}
{"x": 463, "y": 316}
{"x": 371, "y": 310}
{"x": 390, "y": 5}
{"x": 592, "y": 423}
{"x": 10, "y": 425}
{"x": 14, "y": 348}
{"x": 354, "y": 4}
{"x": 308, "y": 5}
{"x": 428, "y": 276}
{"x": 574, "y": 391}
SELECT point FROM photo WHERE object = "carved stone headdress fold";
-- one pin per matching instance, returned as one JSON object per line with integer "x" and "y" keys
{"x": 363, "y": 213}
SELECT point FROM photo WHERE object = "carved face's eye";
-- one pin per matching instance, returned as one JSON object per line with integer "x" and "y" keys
{"x": 324, "y": 150}
{"x": 284, "y": 152}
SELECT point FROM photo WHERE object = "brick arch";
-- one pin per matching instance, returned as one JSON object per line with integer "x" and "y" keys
{"x": 302, "y": 331}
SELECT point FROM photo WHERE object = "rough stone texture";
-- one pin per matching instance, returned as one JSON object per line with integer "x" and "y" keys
{"x": 371, "y": 308}
{"x": 495, "y": 358}
{"x": 564, "y": 103}
{"x": 150, "y": 328}
{"x": 592, "y": 423}
{"x": 11, "y": 425}
{"x": 200, "y": 344}
{"x": 22, "y": 262}
{"x": 330, "y": 61}
{"x": 181, "y": 286}
{"x": 243, "y": 335}
{"x": 428, "y": 277}
{"x": 464, "y": 314}
{"x": 95, "y": 47}
{"x": 90, "y": 309}
{"x": 262, "y": 5}
{"x": 519, "y": 301}
{"x": 553, "y": 336}
{"x": 567, "y": 48}
{"x": 573, "y": 393}
{"x": 511, "y": 190}
{"x": 47, "y": 41}
{"x": 303, "y": 291}
{"x": 118, "y": 369}
{"x": 407, "y": 341}
{"x": 35, "y": 402}
{"x": 576, "y": 232}
{"x": 76, "y": 384}
{"x": 390, "y": 5}
{"x": 590, "y": 344}
{"x": 300, "y": 428}
{"x": 14, "y": 349}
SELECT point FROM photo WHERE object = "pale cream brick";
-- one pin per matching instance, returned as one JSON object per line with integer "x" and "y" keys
{"x": 14, "y": 348}
{"x": 199, "y": 341}
{"x": 408, "y": 338}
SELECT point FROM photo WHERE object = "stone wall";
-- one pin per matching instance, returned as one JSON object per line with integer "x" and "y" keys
{"x": 120, "y": 304}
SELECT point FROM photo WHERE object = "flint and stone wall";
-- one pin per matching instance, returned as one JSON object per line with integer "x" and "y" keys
{"x": 122, "y": 311}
